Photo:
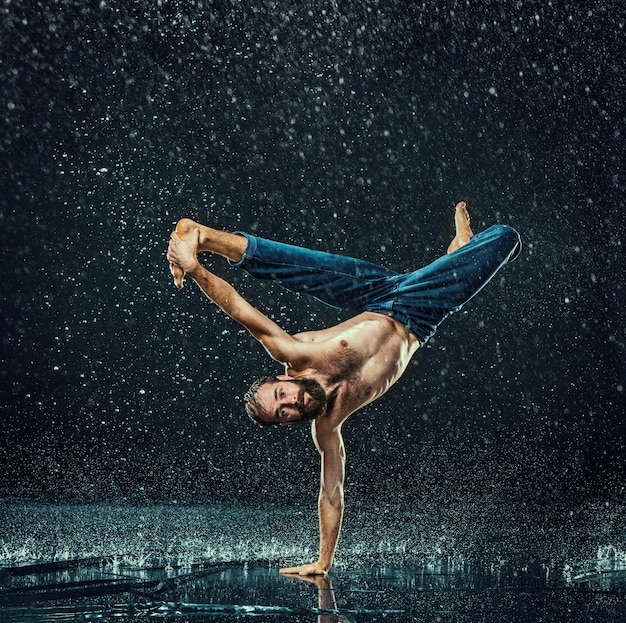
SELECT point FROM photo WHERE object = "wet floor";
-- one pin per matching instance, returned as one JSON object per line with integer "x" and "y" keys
{"x": 184, "y": 564}
{"x": 78, "y": 590}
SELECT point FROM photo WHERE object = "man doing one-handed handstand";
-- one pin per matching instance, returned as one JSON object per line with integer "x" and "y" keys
{"x": 330, "y": 374}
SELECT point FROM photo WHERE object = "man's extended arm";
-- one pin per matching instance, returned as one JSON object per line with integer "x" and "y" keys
{"x": 280, "y": 345}
{"x": 331, "y": 501}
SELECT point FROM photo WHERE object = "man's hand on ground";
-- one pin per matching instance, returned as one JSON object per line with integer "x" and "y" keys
{"x": 313, "y": 569}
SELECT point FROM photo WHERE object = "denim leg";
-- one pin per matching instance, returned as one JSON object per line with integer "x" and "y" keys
{"x": 336, "y": 280}
{"x": 420, "y": 300}
{"x": 427, "y": 296}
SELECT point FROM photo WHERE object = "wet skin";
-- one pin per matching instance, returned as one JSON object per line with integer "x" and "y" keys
{"x": 354, "y": 362}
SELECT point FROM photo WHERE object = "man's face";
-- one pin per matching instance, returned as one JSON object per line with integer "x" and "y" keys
{"x": 291, "y": 400}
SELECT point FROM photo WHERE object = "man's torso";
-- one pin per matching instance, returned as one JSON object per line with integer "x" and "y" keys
{"x": 362, "y": 357}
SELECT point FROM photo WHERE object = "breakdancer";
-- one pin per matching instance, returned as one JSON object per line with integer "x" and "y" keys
{"x": 331, "y": 373}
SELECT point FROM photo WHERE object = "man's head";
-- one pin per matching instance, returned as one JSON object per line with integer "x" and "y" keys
{"x": 283, "y": 400}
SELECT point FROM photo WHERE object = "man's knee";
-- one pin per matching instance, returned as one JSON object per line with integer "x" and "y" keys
{"x": 513, "y": 240}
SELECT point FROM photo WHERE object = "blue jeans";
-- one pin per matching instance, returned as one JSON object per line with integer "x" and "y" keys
{"x": 420, "y": 300}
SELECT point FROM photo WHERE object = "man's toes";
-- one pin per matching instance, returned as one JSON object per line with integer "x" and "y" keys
{"x": 179, "y": 276}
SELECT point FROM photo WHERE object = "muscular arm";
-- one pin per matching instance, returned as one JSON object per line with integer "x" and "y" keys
{"x": 280, "y": 345}
{"x": 331, "y": 500}
{"x": 182, "y": 254}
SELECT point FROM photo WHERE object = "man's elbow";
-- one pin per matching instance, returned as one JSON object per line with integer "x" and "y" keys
{"x": 332, "y": 499}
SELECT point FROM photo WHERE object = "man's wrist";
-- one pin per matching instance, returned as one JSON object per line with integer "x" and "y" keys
{"x": 194, "y": 271}
{"x": 325, "y": 566}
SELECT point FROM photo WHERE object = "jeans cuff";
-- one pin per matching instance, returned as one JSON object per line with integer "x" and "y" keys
{"x": 250, "y": 249}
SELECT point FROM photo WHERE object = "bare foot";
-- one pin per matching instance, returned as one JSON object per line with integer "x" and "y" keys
{"x": 463, "y": 229}
{"x": 191, "y": 238}
{"x": 179, "y": 276}
{"x": 187, "y": 233}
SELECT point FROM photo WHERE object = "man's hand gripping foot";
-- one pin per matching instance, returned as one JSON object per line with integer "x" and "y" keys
{"x": 182, "y": 250}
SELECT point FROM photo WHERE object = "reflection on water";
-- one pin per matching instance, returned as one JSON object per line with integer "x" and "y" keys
{"x": 397, "y": 593}
{"x": 121, "y": 561}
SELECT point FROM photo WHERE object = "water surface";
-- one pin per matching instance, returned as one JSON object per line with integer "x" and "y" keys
{"x": 215, "y": 562}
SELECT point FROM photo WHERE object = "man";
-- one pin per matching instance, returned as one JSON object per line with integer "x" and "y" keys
{"x": 330, "y": 374}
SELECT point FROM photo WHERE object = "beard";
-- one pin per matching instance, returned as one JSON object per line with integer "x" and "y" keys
{"x": 318, "y": 402}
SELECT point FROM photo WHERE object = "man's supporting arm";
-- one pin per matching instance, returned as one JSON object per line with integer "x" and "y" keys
{"x": 331, "y": 501}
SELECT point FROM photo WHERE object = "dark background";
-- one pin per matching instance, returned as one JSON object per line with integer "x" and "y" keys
{"x": 347, "y": 126}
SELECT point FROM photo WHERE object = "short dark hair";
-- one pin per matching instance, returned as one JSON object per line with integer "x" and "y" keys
{"x": 252, "y": 404}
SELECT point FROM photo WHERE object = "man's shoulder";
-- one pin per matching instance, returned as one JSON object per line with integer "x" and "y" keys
{"x": 326, "y": 432}
{"x": 342, "y": 406}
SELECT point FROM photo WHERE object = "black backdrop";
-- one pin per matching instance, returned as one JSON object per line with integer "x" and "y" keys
{"x": 348, "y": 126}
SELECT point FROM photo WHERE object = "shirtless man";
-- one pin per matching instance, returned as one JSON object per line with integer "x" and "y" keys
{"x": 332, "y": 373}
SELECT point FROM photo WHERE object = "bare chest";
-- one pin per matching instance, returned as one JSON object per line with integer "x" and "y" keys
{"x": 368, "y": 373}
